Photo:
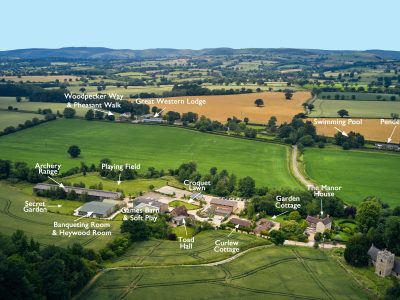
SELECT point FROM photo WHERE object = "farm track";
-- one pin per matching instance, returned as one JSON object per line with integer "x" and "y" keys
{"x": 312, "y": 275}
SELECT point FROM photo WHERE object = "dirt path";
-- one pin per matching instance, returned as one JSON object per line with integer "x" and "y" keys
{"x": 297, "y": 173}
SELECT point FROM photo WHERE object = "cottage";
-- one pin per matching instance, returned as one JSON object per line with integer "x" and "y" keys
{"x": 95, "y": 194}
{"x": 316, "y": 224}
{"x": 178, "y": 220}
{"x": 242, "y": 223}
{"x": 263, "y": 225}
{"x": 97, "y": 209}
{"x": 179, "y": 211}
{"x": 222, "y": 206}
{"x": 384, "y": 261}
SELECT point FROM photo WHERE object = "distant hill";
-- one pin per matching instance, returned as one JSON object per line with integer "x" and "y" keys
{"x": 108, "y": 54}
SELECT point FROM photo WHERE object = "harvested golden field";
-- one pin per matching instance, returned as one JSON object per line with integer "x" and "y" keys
{"x": 49, "y": 78}
{"x": 241, "y": 106}
{"x": 371, "y": 129}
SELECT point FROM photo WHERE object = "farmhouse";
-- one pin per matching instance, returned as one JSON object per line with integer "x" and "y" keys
{"x": 95, "y": 194}
{"x": 97, "y": 209}
{"x": 179, "y": 211}
{"x": 222, "y": 206}
{"x": 384, "y": 261}
{"x": 242, "y": 223}
{"x": 316, "y": 224}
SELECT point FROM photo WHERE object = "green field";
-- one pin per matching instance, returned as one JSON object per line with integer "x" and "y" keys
{"x": 40, "y": 225}
{"x": 263, "y": 273}
{"x": 361, "y": 174}
{"x": 358, "y": 96}
{"x": 189, "y": 206}
{"x": 34, "y": 106}
{"x": 10, "y": 118}
{"x": 156, "y": 146}
{"x": 367, "y": 109}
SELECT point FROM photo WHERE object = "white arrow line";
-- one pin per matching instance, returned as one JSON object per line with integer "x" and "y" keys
{"x": 390, "y": 138}
{"x": 59, "y": 205}
{"x": 322, "y": 212}
{"x": 274, "y": 217}
{"x": 89, "y": 213}
{"x": 109, "y": 113}
{"x": 184, "y": 224}
{"x": 119, "y": 179}
{"x": 159, "y": 113}
{"x": 59, "y": 184}
{"x": 236, "y": 227}
{"x": 342, "y": 132}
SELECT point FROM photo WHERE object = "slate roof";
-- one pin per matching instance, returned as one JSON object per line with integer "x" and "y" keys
{"x": 315, "y": 220}
{"x": 79, "y": 190}
{"x": 240, "y": 222}
{"x": 180, "y": 211}
{"x": 223, "y": 202}
{"x": 99, "y": 208}
{"x": 373, "y": 252}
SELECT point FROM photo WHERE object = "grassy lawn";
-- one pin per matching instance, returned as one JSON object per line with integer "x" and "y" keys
{"x": 40, "y": 225}
{"x": 151, "y": 146}
{"x": 259, "y": 274}
{"x": 189, "y": 206}
{"x": 11, "y": 118}
{"x": 367, "y": 109}
{"x": 361, "y": 174}
{"x": 34, "y": 106}
{"x": 129, "y": 187}
{"x": 180, "y": 231}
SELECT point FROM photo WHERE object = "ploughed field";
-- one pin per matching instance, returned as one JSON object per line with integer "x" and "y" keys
{"x": 371, "y": 129}
{"x": 262, "y": 273}
{"x": 224, "y": 106}
{"x": 360, "y": 173}
{"x": 151, "y": 146}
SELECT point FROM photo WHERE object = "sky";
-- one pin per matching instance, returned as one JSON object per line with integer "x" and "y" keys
{"x": 189, "y": 24}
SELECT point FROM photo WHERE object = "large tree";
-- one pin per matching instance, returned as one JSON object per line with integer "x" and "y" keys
{"x": 368, "y": 214}
{"x": 259, "y": 102}
{"x": 74, "y": 151}
{"x": 392, "y": 234}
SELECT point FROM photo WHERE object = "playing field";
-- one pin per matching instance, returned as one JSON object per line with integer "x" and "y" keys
{"x": 259, "y": 274}
{"x": 40, "y": 225}
{"x": 222, "y": 107}
{"x": 361, "y": 174}
{"x": 34, "y": 106}
{"x": 366, "y": 109}
{"x": 10, "y": 118}
{"x": 371, "y": 129}
{"x": 151, "y": 146}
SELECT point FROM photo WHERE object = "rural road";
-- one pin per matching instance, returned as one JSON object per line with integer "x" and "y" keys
{"x": 296, "y": 171}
